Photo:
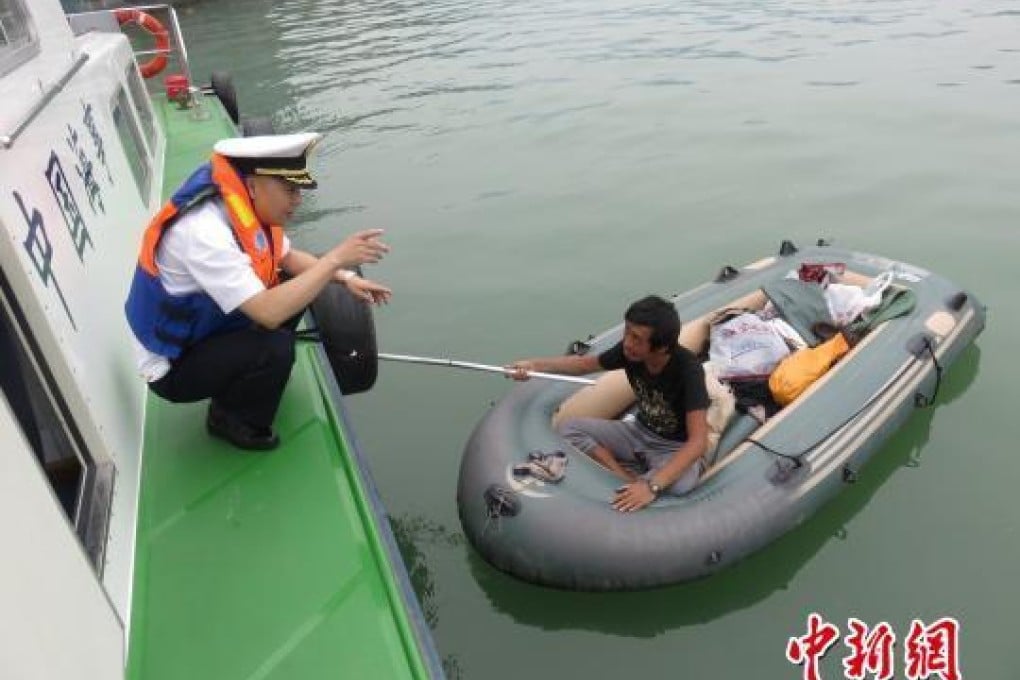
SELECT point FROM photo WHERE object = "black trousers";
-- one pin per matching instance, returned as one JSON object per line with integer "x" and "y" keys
{"x": 244, "y": 373}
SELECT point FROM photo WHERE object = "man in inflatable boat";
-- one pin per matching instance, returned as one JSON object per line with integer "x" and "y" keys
{"x": 210, "y": 314}
{"x": 669, "y": 436}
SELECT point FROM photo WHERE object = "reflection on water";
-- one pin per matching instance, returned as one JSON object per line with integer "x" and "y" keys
{"x": 414, "y": 535}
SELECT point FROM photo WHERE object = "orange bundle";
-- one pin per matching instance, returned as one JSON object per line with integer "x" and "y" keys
{"x": 800, "y": 370}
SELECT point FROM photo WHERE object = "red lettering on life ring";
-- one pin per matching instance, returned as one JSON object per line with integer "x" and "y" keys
{"x": 153, "y": 28}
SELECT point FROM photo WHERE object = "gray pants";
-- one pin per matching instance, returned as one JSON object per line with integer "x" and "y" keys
{"x": 629, "y": 442}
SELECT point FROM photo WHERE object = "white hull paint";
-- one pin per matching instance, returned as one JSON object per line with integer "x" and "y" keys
{"x": 74, "y": 130}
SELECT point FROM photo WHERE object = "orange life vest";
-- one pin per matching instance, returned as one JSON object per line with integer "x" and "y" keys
{"x": 166, "y": 324}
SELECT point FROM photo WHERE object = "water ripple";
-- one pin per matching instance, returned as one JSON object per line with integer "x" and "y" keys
{"x": 452, "y": 89}
{"x": 374, "y": 71}
{"x": 832, "y": 83}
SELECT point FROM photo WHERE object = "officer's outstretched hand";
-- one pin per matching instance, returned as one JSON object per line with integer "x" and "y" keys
{"x": 363, "y": 247}
{"x": 371, "y": 292}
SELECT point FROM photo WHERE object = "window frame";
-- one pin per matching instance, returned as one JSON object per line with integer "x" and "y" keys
{"x": 133, "y": 142}
{"x": 40, "y": 397}
{"x": 139, "y": 97}
{"x": 26, "y": 45}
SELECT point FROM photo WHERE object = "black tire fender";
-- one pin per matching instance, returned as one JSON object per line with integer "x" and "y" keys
{"x": 257, "y": 126}
{"x": 223, "y": 86}
{"x": 347, "y": 329}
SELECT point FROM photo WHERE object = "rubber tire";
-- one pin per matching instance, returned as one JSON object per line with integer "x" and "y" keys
{"x": 223, "y": 86}
{"x": 259, "y": 125}
{"x": 347, "y": 329}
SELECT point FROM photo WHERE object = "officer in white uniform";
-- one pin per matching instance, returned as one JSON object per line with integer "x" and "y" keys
{"x": 244, "y": 371}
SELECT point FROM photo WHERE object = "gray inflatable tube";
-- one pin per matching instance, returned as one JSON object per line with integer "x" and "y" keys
{"x": 567, "y": 535}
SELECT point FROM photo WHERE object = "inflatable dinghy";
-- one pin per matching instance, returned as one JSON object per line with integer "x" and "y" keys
{"x": 761, "y": 479}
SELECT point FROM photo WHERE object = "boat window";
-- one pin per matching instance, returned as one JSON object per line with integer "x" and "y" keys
{"x": 131, "y": 141}
{"x": 81, "y": 487}
{"x": 18, "y": 42}
{"x": 142, "y": 104}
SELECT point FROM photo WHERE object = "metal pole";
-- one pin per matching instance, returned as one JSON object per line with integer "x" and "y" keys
{"x": 451, "y": 363}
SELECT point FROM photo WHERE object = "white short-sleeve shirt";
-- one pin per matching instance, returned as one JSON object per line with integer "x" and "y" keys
{"x": 199, "y": 253}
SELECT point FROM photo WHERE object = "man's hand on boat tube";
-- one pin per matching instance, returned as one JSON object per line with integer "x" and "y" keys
{"x": 634, "y": 496}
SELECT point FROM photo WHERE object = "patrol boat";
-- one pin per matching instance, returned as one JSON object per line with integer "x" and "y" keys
{"x": 136, "y": 545}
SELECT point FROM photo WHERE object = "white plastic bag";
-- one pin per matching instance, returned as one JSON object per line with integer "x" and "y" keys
{"x": 745, "y": 346}
{"x": 788, "y": 333}
{"x": 846, "y": 303}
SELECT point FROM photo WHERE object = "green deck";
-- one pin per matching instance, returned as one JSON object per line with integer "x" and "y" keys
{"x": 261, "y": 565}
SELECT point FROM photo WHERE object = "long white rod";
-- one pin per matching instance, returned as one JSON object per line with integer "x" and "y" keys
{"x": 430, "y": 361}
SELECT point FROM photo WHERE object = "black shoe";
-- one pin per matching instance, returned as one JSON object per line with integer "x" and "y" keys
{"x": 221, "y": 424}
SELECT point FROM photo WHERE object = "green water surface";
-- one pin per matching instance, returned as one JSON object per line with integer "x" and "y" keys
{"x": 539, "y": 165}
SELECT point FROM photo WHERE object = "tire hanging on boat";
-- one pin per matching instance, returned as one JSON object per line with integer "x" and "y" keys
{"x": 257, "y": 126}
{"x": 154, "y": 28}
{"x": 347, "y": 330}
{"x": 223, "y": 87}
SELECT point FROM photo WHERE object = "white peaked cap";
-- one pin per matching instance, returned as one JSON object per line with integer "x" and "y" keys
{"x": 282, "y": 156}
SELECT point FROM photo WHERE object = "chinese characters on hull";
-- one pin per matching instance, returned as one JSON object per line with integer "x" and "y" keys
{"x": 40, "y": 252}
{"x": 37, "y": 242}
{"x": 73, "y": 219}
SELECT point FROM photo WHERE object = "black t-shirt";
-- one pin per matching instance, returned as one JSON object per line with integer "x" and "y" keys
{"x": 664, "y": 399}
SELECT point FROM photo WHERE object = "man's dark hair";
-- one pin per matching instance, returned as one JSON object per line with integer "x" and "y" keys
{"x": 659, "y": 315}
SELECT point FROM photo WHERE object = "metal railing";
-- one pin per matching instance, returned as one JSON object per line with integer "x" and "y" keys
{"x": 176, "y": 37}
{"x": 105, "y": 20}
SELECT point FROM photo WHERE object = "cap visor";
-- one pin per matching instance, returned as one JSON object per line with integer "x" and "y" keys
{"x": 305, "y": 182}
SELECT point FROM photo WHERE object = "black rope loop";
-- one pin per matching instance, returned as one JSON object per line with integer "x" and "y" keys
{"x": 499, "y": 503}
{"x": 796, "y": 457}
{"x": 920, "y": 400}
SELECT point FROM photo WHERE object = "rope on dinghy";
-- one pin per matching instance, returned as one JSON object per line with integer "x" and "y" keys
{"x": 920, "y": 401}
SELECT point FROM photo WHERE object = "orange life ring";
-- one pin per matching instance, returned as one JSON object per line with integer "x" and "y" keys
{"x": 153, "y": 28}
